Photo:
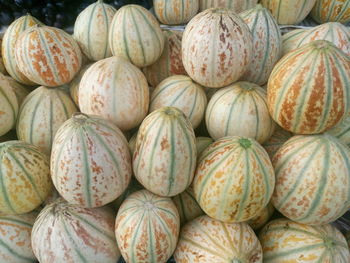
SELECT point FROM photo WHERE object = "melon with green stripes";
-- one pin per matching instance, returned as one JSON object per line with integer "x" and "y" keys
{"x": 165, "y": 154}
{"x": 290, "y": 39}
{"x": 147, "y": 227}
{"x": 24, "y": 177}
{"x": 236, "y": 5}
{"x": 74, "y": 84}
{"x": 234, "y": 179}
{"x": 285, "y": 241}
{"x": 116, "y": 90}
{"x": 175, "y": 12}
{"x": 15, "y": 243}
{"x": 331, "y": 11}
{"x": 278, "y": 138}
{"x": 183, "y": 93}
{"x": 239, "y": 110}
{"x": 202, "y": 143}
{"x": 267, "y": 42}
{"x": 68, "y": 233}
{"x": 8, "y": 106}
{"x": 334, "y": 32}
{"x": 262, "y": 218}
{"x": 21, "y": 91}
{"x": 289, "y": 12}
{"x": 90, "y": 161}
{"x": 11, "y": 35}
{"x": 207, "y": 240}
{"x": 312, "y": 179}
{"x": 308, "y": 91}
{"x": 43, "y": 111}
{"x": 2, "y": 66}
{"x": 169, "y": 63}
{"x": 135, "y": 35}
{"x": 342, "y": 130}
{"x": 56, "y": 60}
{"x": 91, "y": 30}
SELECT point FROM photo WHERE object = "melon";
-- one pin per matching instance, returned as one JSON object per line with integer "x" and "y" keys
{"x": 331, "y": 11}
{"x": 290, "y": 39}
{"x": 236, "y": 5}
{"x": 175, "y": 12}
{"x": 262, "y": 218}
{"x": 74, "y": 84}
{"x": 278, "y": 138}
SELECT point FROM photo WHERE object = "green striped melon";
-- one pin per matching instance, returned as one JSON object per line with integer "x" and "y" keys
{"x": 165, "y": 154}
{"x": 285, "y": 241}
{"x": 267, "y": 42}
{"x": 24, "y": 177}
{"x": 239, "y": 110}
{"x": 331, "y": 11}
{"x": 133, "y": 186}
{"x": 278, "y": 138}
{"x": 334, "y": 32}
{"x": 21, "y": 91}
{"x": 147, "y": 227}
{"x": 8, "y": 106}
{"x": 74, "y": 84}
{"x": 116, "y": 90}
{"x": 183, "y": 93}
{"x": 262, "y": 218}
{"x": 308, "y": 91}
{"x": 202, "y": 143}
{"x": 175, "y": 12}
{"x": 68, "y": 233}
{"x": 312, "y": 179}
{"x": 217, "y": 48}
{"x": 11, "y": 35}
{"x": 290, "y": 39}
{"x": 2, "y": 66}
{"x": 135, "y": 34}
{"x": 43, "y": 111}
{"x": 289, "y": 12}
{"x": 91, "y": 30}
{"x": 234, "y": 179}
{"x": 169, "y": 63}
{"x": 56, "y": 60}
{"x": 236, "y": 5}
{"x": 90, "y": 161}
{"x": 207, "y": 240}
{"x": 342, "y": 130}
{"x": 15, "y": 244}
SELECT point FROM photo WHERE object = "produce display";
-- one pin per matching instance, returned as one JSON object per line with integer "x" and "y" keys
{"x": 168, "y": 131}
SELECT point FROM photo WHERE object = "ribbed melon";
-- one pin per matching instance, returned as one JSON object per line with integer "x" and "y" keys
{"x": 74, "y": 84}
{"x": 68, "y": 233}
{"x": 267, "y": 42}
{"x": 183, "y": 93}
{"x": 165, "y": 154}
{"x": 24, "y": 177}
{"x": 312, "y": 179}
{"x": 116, "y": 90}
{"x": 239, "y": 110}
{"x": 308, "y": 91}
{"x": 41, "y": 114}
{"x": 56, "y": 60}
{"x": 217, "y": 48}
{"x": 234, "y": 179}
{"x": 91, "y": 30}
{"x": 236, "y": 5}
{"x": 90, "y": 161}
{"x": 175, "y": 12}
{"x": 135, "y": 35}
{"x": 290, "y": 39}
{"x": 278, "y": 138}
{"x": 147, "y": 227}
{"x": 285, "y": 241}
{"x": 262, "y": 218}
{"x": 21, "y": 91}
{"x": 202, "y": 143}
{"x": 207, "y": 240}
{"x": 331, "y": 11}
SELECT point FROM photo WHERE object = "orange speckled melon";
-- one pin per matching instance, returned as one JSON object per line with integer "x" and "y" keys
{"x": 331, "y": 11}
{"x": 262, "y": 218}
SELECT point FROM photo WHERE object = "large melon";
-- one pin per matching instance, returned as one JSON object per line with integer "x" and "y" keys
{"x": 234, "y": 179}
{"x": 312, "y": 179}
{"x": 308, "y": 90}
{"x": 217, "y": 48}
{"x": 90, "y": 161}
{"x": 331, "y": 11}
{"x": 236, "y": 5}
{"x": 147, "y": 227}
{"x": 290, "y": 39}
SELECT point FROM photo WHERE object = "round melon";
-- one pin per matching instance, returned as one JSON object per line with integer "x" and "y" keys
{"x": 262, "y": 218}
{"x": 331, "y": 11}
{"x": 43, "y": 111}
{"x": 8, "y": 50}
{"x": 91, "y": 30}
{"x": 90, "y": 161}
{"x": 236, "y": 5}
{"x": 24, "y": 177}
{"x": 74, "y": 84}
{"x": 290, "y": 39}
{"x": 183, "y": 93}
{"x": 21, "y": 91}
{"x": 278, "y": 138}
{"x": 207, "y": 240}
{"x": 217, "y": 48}
{"x": 165, "y": 154}
{"x": 135, "y": 35}
{"x": 285, "y": 241}
{"x": 68, "y": 233}
{"x": 234, "y": 179}
{"x": 169, "y": 63}
{"x": 308, "y": 90}
{"x": 116, "y": 90}
{"x": 312, "y": 179}
{"x": 202, "y": 143}
{"x": 239, "y": 110}
{"x": 47, "y": 56}
{"x": 147, "y": 227}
